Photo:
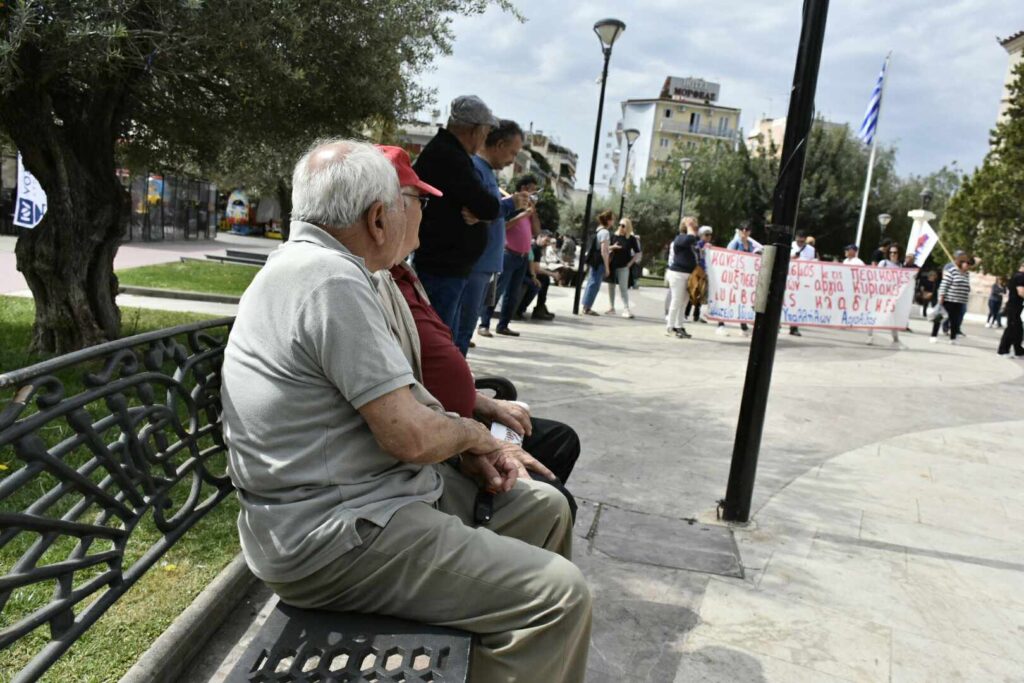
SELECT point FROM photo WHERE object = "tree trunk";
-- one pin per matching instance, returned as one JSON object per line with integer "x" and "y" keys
{"x": 284, "y": 198}
{"x": 68, "y": 259}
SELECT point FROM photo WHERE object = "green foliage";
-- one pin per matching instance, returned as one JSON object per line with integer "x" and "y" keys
{"x": 548, "y": 210}
{"x": 654, "y": 212}
{"x": 986, "y": 216}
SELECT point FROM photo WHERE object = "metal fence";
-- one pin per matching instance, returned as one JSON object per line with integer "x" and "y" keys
{"x": 162, "y": 207}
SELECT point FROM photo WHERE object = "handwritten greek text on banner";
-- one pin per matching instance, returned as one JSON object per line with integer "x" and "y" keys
{"x": 818, "y": 293}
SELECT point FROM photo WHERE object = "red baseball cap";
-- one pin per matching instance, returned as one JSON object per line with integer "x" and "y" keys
{"x": 399, "y": 158}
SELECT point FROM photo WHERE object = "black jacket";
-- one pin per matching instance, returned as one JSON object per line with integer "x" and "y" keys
{"x": 449, "y": 247}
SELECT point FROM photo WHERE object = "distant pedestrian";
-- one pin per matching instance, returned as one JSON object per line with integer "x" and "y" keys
{"x": 742, "y": 241}
{"x": 698, "y": 282}
{"x": 851, "y": 256}
{"x": 995, "y": 303}
{"x": 1013, "y": 335}
{"x": 892, "y": 260}
{"x": 954, "y": 293}
{"x": 625, "y": 251}
{"x": 927, "y": 286}
{"x": 598, "y": 260}
{"x": 878, "y": 255}
{"x": 801, "y": 250}
{"x": 684, "y": 260}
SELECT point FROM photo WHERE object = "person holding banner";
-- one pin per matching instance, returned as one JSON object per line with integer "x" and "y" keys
{"x": 1013, "y": 335}
{"x": 682, "y": 264}
{"x": 953, "y": 295}
{"x": 892, "y": 260}
{"x": 802, "y": 249}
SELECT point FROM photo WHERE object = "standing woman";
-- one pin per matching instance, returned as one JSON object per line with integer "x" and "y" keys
{"x": 891, "y": 260}
{"x": 953, "y": 294}
{"x": 684, "y": 260}
{"x": 599, "y": 260}
{"x": 625, "y": 251}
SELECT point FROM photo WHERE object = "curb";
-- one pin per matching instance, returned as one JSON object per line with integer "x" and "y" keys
{"x": 188, "y": 634}
{"x": 179, "y": 294}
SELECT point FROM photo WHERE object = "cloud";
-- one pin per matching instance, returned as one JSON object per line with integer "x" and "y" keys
{"x": 940, "y": 103}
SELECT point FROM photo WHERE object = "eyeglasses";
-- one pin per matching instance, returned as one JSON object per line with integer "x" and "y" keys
{"x": 894, "y": 251}
{"x": 424, "y": 198}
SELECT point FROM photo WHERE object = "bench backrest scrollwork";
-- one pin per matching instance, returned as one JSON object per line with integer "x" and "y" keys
{"x": 110, "y": 455}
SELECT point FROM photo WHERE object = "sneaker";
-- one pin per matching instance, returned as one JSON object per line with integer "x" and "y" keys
{"x": 669, "y": 331}
{"x": 933, "y": 340}
{"x": 484, "y": 332}
{"x": 702, "y": 321}
{"x": 505, "y": 332}
{"x": 954, "y": 342}
{"x": 988, "y": 326}
{"x": 795, "y": 332}
{"x": 541, "y": 315}
{"x": 683, "y": 334}
{"x": 627, "y": 314}
{"x": 721, "y": 331}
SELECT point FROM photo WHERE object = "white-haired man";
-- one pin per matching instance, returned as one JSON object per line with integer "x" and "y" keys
{"x": 339, "y": 456}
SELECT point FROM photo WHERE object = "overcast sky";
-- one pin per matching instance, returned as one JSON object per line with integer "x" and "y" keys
{"x": 941, "y": 100}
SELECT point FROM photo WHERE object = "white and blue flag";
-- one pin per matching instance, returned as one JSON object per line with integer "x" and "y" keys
{"x": 870, "y": 122}
{"x": 30, "y": 204}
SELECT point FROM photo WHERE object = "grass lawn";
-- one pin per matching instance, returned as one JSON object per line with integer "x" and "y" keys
{"x": 652, "y": 282}
{"x": 110, "y": 647}
{"x": 192, "y": 276}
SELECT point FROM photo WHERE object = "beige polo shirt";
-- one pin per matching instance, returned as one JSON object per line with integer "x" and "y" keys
{"x": 309, "y": 347}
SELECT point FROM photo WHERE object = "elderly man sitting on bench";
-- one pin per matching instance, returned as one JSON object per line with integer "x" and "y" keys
{"x": 356, "y": 489}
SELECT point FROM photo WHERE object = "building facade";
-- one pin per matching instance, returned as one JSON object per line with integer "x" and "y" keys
{"x": 553, "y": 164}
{"x": 768, "y": 132}
{"x": 686, "y": 114}
{"x": 1014, "y": 45}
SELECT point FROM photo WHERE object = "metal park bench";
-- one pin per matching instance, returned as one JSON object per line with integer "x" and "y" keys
{"x": 126, "y": 437}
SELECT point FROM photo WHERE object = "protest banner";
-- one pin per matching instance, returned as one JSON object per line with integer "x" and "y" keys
{"x": 30, "y": 204}
{"x": 818, "y": 293}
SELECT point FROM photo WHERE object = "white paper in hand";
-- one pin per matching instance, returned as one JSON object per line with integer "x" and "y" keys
{"x": 503, "y": 433}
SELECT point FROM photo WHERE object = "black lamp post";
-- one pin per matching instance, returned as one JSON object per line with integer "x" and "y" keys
{"x": 631, "y": 135}
{"x": 608, "y": 31}
{"x": 926, "y": 198}
{"x": 883, "y": 221}
{"x": 685, "y": 164}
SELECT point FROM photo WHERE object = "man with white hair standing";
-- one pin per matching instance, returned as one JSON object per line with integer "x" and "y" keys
{"x": 356, "y": 490}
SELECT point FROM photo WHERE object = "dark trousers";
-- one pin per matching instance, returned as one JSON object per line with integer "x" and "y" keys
{"x": 531, "y": 290}
{"x": 994, "y": 316}
{"x": 557, "y": 446}
{"x": 696, "y": 311}
{"x": 1013, "y": 335}
{"x": 956, "y": 317}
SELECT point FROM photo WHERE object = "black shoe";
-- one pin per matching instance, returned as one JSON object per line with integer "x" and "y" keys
{"x": 702, "y": 321}
{"x": 683, "y": 334}
{"x": 541, "y": 315}
{"x": 506, "y": 332}
{"x": 795, "y": 332}
{"x": 519, "y": 316}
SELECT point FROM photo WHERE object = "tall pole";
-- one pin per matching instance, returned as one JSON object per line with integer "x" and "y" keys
{"x": 775, "y": 266}
{"x": 682, "y": 201}
{"x": 625, "y": 176}
{"x": 871, "y": 156}
{"x": 590, "y": 192}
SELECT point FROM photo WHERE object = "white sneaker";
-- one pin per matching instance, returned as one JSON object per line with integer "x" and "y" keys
{"x": 626, "y": 313}
{"x": 870, "y": 341}
{"x": 722, "y": 332}
{"x": 954, "y": 342}
{"x": 988, "y": 326}
{"x": 933, "y": 340}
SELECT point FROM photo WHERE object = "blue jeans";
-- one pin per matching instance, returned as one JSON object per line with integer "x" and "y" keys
{"x": 512, "y": 274}
{"x": 593, "y": 286}
{"x": 472, "y": 307}
{"x": 446, "y": 295}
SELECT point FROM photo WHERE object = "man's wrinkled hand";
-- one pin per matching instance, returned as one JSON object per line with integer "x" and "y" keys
{"x": 495, "y": 472}
{"x": 512, "y": 415}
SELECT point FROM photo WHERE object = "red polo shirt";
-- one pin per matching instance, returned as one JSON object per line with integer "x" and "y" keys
{"x": 446, "y": 373}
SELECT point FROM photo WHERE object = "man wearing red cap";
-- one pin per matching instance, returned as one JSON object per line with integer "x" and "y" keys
{"x": 356, "y": 490}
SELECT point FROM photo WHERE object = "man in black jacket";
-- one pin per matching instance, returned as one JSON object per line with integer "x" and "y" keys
{"x": 453, "y": 233}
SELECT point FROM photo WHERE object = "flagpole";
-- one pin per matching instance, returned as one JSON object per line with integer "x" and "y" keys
{"x": 871, "y": 156}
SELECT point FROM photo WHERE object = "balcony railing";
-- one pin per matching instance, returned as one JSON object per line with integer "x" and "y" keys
{"x": 679, "y": 127}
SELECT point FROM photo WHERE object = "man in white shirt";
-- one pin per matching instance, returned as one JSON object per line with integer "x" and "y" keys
{"x": 804, "y": 251}
{"x": 851, "y": 256}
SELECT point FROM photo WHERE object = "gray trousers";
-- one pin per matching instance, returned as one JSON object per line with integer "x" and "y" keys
{"x": 512, "y": 583}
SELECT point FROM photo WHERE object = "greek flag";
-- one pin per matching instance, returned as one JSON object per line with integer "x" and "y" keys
{"x": 870, "y": 122}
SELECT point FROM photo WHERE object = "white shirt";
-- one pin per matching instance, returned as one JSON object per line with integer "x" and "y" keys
{"x": 807, "y": 253}
{"x": 855, "y": 261}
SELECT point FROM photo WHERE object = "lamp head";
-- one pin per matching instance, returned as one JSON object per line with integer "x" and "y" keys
{"x": 608, "y": 31}
{"x": 686, "y": 163}
{"x": 631, "y": 135}
{"x": 883, "y": 220}
{"x": 926, "y": 198}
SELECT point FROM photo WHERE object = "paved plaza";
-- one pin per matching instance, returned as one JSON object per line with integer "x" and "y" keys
{"x": 885, "y": 542}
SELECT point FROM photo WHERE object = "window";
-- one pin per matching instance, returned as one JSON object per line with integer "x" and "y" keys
{"x": 723, "y": 126}
{"x": 694, "y": 121}
{"x": 668, "y": 113}
{"x": 664, "y": 143}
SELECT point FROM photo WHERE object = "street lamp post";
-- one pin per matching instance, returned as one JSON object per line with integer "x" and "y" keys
{"x": 771, "y": 286}
{"x": 883, "y": 221}
{"x": 631, "y": 135}
{"x": 608, "y": 31}
{"x": 926, "y": 198}
{"x": 685, "y": 164}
